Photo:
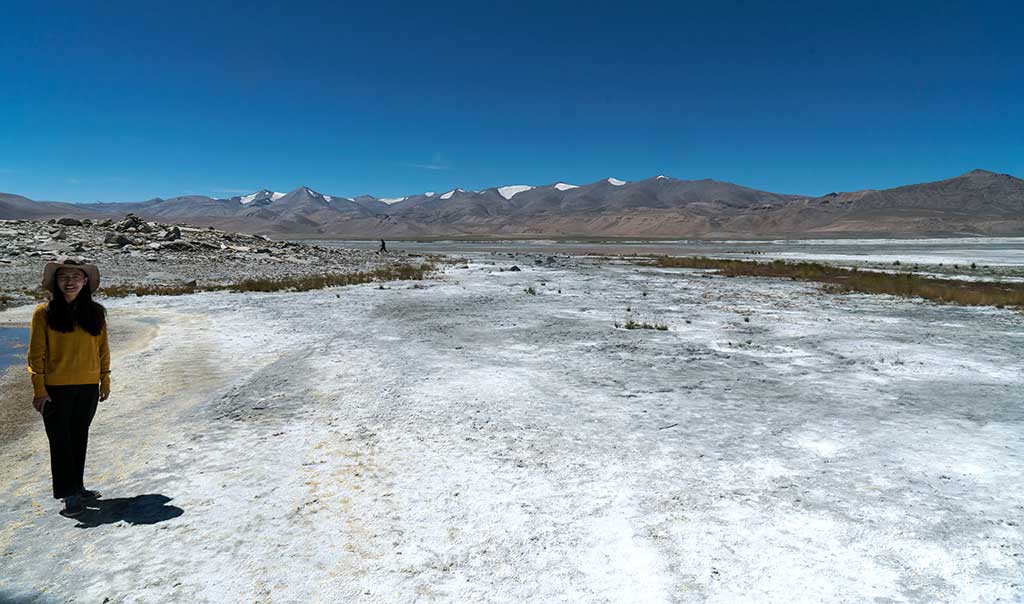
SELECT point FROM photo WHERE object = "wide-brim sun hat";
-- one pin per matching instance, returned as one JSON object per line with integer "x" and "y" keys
{"x": 51, "y": 268}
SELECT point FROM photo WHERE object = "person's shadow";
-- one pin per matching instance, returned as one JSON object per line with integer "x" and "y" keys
{"x": 141, "y": 509}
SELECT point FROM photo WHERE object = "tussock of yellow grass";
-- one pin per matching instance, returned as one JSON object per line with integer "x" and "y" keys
{"x": 947, "y": 291}
{"x": 398, "y": 272}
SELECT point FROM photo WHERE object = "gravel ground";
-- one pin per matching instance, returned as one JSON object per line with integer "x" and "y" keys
{"x": 146, "y": 255}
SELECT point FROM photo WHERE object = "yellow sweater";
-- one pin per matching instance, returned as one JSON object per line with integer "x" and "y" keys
{"x": 58, "y": 359}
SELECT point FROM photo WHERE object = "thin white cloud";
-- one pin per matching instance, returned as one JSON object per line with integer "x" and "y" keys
{"x": 438, "y": 163}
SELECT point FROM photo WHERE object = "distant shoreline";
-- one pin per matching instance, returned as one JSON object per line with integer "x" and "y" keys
{"x": 619, "y": 240}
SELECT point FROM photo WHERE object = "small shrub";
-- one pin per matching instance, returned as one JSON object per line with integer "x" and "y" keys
{"x": 530, "y": 290}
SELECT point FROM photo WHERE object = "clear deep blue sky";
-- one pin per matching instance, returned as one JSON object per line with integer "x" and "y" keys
{"x": 135, "y": 100}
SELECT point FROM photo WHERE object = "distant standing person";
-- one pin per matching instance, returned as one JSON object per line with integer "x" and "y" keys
{"x": 383, "y": 248}
{"x": 69, "y": 360}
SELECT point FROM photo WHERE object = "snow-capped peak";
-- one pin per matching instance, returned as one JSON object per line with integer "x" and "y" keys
{"x": 429, "y": 193}
{"x": 391, "y": 200}
{"x": 616, "y": 182}
{"x": 510, "y": 191}
{"x": 316, "y": 194}
{"x": 660, "y": 177}
{"x": 561, "y": 186}
{"x": 260, "y": 195}
{"x": 449, "y": 194}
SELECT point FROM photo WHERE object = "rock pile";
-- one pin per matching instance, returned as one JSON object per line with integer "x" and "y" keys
{"x": 136, "y": 252}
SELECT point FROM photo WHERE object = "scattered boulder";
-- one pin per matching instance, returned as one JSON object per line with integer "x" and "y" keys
{"x": 52, "y": 245}
{"x": 117, "y": 239}
{"x": 178, "y": 246}
{"x": 515, "y": 268}
{"x": 132, "y": 223}
{"x": 172, "y": 235}
{"x": 69, "y": 221}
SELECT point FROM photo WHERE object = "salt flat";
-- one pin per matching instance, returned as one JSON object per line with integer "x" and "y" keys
{"x": 465, "y": 441}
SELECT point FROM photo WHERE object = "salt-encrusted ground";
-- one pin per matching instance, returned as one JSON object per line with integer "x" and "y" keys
{"x": 466, "y": 441}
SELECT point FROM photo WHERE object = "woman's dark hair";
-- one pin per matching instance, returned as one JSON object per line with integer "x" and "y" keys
{"x": 61, "y": 316}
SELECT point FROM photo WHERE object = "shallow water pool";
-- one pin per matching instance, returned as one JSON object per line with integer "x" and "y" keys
{"x": 13, "y": 346}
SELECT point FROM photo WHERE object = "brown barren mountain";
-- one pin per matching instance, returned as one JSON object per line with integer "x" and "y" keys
{"x": 976, "y": 203}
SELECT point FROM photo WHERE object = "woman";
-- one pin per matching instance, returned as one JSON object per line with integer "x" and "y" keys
{"x": 69, "y": 360}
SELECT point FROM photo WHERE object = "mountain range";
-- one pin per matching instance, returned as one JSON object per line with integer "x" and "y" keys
{"x": 976, "y": 203}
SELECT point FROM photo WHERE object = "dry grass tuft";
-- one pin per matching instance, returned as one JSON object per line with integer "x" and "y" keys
{"x": 120, "y": 291}
{"x": 842, "y": 280}
{"x": 631, "y": 324}
{"x": 398, "y": 272}
{"x": 442, "y": 259}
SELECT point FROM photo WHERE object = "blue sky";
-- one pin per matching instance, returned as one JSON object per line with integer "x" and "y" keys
{"x": 130, "y": 101}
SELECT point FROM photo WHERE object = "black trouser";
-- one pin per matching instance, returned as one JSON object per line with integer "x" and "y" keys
{"x": 67, "y": 417}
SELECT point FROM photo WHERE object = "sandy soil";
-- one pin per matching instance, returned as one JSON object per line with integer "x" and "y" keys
{"x": 465, "y": 440}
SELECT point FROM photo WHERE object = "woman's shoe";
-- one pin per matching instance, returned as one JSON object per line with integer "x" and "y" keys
{"x": 72, "y": 507}
{"x": 87, "y": 494}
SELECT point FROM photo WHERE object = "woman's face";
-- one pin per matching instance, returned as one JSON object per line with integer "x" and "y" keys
{"x": 71, "y": 281}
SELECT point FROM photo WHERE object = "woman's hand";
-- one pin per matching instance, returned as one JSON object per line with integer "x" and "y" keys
{"x": 39, "y": 401}
{"x": 104, "y": 395}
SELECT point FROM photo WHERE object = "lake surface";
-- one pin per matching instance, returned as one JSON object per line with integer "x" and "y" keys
{"x": 13, "y": 346}
{"x": 1000, "y": 254}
